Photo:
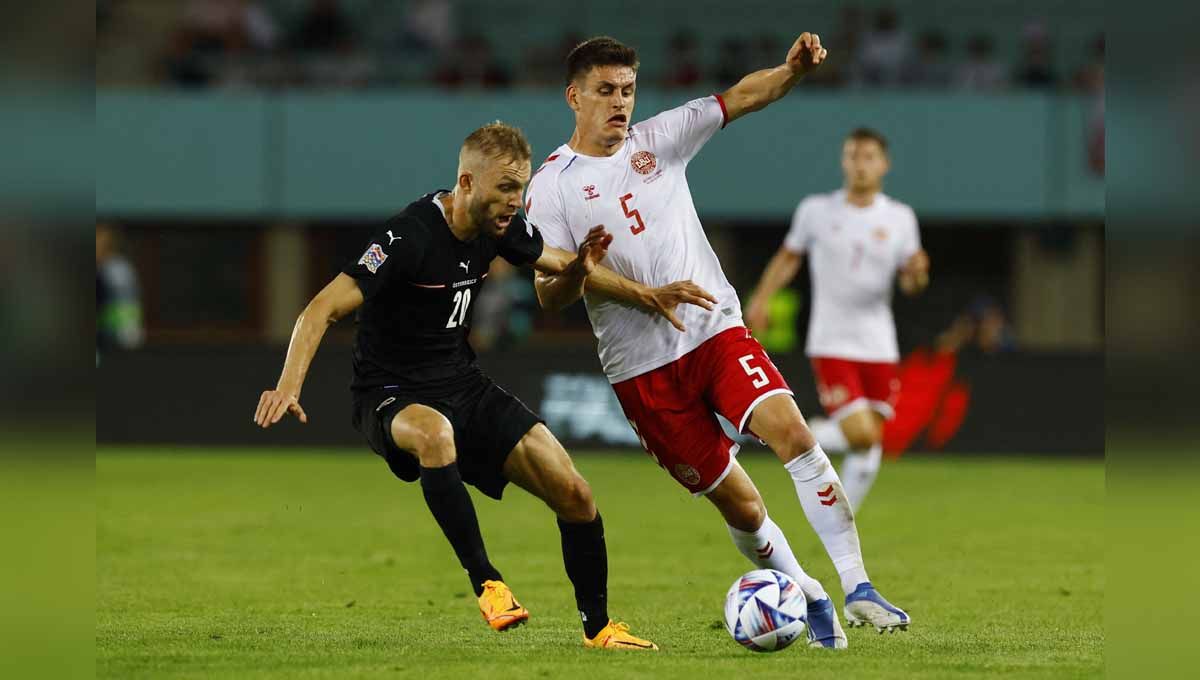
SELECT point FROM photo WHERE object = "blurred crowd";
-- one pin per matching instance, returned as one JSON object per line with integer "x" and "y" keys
{"x": 244, "y": 43}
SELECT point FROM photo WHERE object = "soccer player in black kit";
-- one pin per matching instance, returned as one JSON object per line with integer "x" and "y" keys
{"x": 420, "y": 399}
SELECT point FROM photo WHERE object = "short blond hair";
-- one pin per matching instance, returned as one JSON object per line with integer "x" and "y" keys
{"x": 497, "y": 140}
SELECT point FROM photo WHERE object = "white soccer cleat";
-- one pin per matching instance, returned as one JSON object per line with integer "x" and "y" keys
{"x": 865, "y": 606}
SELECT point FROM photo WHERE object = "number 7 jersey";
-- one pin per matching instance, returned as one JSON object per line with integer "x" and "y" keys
{"x": 641, "y": 195}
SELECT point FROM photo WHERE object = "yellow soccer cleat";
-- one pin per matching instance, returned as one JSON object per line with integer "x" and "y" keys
{"x": 616, "y": 636}
{"x": 499, "y": 608}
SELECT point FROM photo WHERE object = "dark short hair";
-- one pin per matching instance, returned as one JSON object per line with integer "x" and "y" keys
{"x": 599, "y": 51}
{"x": 866, "y": 133}
{"x": 499, "y": 140}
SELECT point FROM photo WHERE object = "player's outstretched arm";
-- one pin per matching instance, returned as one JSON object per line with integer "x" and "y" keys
{"x": 914, "y": 275}
{"x": 760, "y": 88}
{"x": 562, "y": 277}
{"x": 780, "y": 271}
{"x": 337, "y": 299}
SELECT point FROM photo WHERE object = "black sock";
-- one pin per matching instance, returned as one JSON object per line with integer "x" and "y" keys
{"x": 451, "y": 506}
{"x": 586, "y": 559}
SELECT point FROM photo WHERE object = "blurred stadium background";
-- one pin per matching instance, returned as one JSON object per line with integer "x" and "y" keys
{"x": 249, "y": 147}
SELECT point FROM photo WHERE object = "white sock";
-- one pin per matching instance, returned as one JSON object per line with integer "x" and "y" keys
{"x": 829, "y": 434}
{"x": 767, "y": 548}
{"x": 859, "y": 472}
{"x": 824, "y": 502}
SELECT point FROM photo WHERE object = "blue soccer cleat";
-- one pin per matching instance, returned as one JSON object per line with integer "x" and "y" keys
{"x": 865, "y": 606}
{"x": 824, "y": 630}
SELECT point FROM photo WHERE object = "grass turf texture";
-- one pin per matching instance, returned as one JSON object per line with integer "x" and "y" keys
{"x": 286, "y": 564}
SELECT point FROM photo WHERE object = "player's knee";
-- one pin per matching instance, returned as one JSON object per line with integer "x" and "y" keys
{"x": 862, "y": 434}
{"x": 575, "y": 501}
{"x": 434, "y": 447}
{"x": 746, "y": 514}
{"x": 795, "y": 440}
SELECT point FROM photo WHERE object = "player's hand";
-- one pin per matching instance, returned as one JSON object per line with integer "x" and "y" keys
{"x": 665, "y": 299}
{"x": 918, "y": 263}
{"x": 806, "y": 54}
{"x": 758, "y": 317}
{"x": 274, "y": 404}
{"x": 593, "y": 249}
{"x": 914, "y": 275}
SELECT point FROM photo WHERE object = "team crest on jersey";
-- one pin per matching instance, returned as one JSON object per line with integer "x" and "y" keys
{"x": 687, "y": 474}
{"x": 643, "y": 162}
{"x": 373, "y": 258}
{"x": 590, "y": 192}
{"x": 880, "y": 233}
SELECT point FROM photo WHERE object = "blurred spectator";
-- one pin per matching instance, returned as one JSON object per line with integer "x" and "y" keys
{"x": 1090, "y": 78}
{"x": 930, "y": 68}
{"x": 210, "y": 32}
{"x": 731, "y": 64}
{"x": 428, "y": 26}
{"x": 683, "y": 65}
{"x": 1036, "y": 70}
{"x": 183, "y": 66}
{"x": 230, "y": 25}
{"x": 542, "y": 65}
{"x": 118, "y": 299}
{"x": 982, "y": 71}
{"x": 472, "y": 64}
{"x": 885, "y": 50}
{"x": 324, "y": 28}
{"x": 842, "y": 64}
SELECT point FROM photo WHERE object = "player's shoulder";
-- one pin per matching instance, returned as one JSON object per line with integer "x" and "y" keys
{"x": 554, "y": 165}
{"x": 546, "y": 178}
{"x": 662, "y": 122}
{"x": 821, "y": 201}
{"x": 415, "y": 221}
{"x": 898, "y": 207}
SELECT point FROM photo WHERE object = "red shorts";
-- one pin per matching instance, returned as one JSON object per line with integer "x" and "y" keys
{"x": 845, "y": 386}
{"x": 673, "y": 407}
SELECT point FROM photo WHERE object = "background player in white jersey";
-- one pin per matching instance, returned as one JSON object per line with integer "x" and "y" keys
{"x": 632, "y": 179}
{"x": 858, "y": 241}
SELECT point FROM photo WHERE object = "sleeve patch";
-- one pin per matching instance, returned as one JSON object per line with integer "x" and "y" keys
{"x": 373, "y": 258}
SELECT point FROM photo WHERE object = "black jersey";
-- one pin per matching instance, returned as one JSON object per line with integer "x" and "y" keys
{"x": 419, "y": 283}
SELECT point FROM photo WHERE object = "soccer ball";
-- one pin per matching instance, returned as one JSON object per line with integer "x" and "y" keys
{"x": 765, "y": 610}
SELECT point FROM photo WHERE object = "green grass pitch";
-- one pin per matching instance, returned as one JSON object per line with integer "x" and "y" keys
{"x": 300, "y": 564}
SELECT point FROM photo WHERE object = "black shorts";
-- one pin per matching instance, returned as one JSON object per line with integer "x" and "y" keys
{"x": 488, "y": 423}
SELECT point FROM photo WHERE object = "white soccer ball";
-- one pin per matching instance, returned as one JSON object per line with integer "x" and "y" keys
{"x": 765, "y": 610}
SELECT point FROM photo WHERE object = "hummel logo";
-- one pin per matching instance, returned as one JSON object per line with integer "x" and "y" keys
{"x": 765, "y": 551}
{"x": 464, "y": 265}
{"x": 392, "y": 239}
{"x": 827, "y": 497}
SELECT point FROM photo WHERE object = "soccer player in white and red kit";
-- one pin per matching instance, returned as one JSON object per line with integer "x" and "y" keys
{"x": 632, "y": 180}
{"x": 858, "y": 241}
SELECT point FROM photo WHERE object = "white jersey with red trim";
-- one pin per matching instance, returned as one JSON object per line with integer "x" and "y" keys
{"x": 641, "y": 195}
{"x": 853, "y": 255}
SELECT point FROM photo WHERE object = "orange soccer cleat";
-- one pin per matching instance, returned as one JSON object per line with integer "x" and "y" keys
{"x": 499, "y": 608}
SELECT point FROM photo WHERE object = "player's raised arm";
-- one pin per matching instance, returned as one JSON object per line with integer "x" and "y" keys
{"x": 760, "y": 88}
{"x": 562, "y": 277}
{"x": 337, "y": 299}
